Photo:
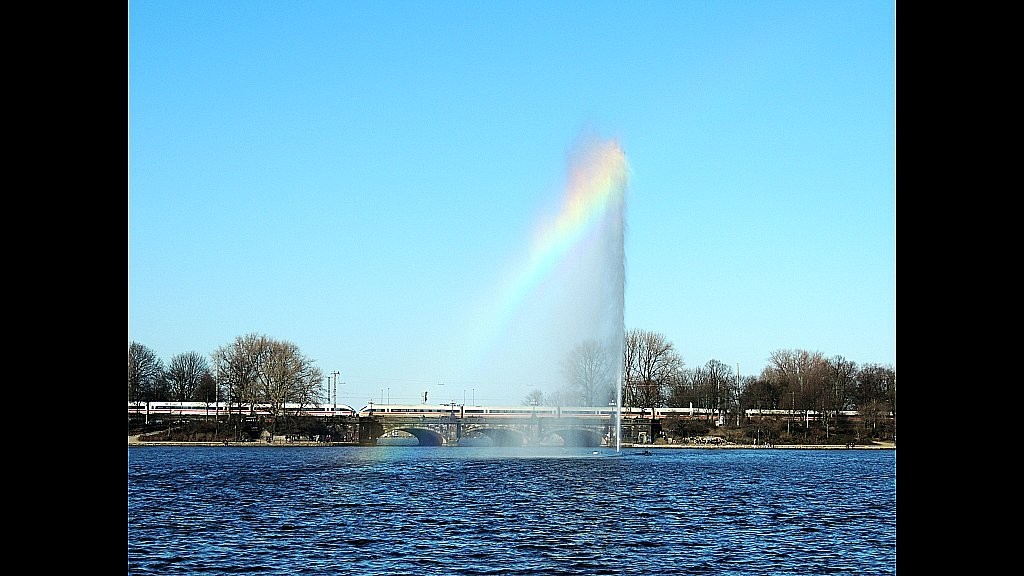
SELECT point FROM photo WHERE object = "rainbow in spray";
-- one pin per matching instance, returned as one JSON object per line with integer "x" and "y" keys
{"x": 583, "y": 246}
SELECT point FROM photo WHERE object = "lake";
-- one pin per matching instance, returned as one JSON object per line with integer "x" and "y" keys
{"x": 395, "y": 510}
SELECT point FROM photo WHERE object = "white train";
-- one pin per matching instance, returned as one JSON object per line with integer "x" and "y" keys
{"x": 224, "y": 408}
{"x": 758, "y": 413}
{"x": 457, "y": 410}
{"x": 464, "y": 411}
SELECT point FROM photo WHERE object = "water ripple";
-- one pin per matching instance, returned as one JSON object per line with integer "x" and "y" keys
{"x": 449, "y": 511}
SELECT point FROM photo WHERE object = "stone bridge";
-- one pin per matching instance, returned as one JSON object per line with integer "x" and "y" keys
{"x": 492, "y": 431}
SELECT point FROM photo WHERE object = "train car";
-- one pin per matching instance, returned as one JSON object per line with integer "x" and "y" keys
{"x": 322, "y": 410}
{"x": 688, "y": 412}
{"x": 522, "y": 411}
{"x": 808, "y": 415}
{"x": 589, "y": 411}
{"x": 412, "y": 410}
{"x": 597, "y": 412}
{"x": 219, "y": 408}
{"x": 181, "y": 408}
{"x": 505, "y": 412}
{"x": 325, "y": 410}
{"x": 771, "y": 413}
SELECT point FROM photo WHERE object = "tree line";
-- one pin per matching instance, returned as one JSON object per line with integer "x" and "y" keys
{"x": 653, "y": 374}
{"x": 257, "y": 369}
{"x": 254, "y": 369}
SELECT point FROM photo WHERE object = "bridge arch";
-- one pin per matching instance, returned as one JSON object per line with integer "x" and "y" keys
{"x": 424, "y": 436}
{"x": 475, "y": 431}
{"x": 503, "y": 437}
{"x": 578, "y": 437}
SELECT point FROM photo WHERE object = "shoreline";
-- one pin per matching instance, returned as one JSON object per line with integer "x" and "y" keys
{"x": 133, "y": 441}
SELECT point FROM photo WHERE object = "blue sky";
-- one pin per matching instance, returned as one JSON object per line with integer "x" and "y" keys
{"x": 359, "y": 178}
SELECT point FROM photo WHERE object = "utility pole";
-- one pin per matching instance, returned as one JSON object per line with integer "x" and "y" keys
{"x": 738, "y": 410}
{"x": 792, "y": 409}
{"x": 335, "y": 374}
{"x": 216, "y": 384}
{"x": 792, "y": 396}
{"x": 216, "y": 394}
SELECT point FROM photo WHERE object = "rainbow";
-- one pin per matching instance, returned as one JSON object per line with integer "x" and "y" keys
{"x": 598, "y": 175}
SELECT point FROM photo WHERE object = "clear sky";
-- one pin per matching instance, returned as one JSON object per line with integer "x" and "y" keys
{"x": 365, "y": 179}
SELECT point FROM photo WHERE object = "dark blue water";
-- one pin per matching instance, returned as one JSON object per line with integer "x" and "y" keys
{"x": 446, "y": 511}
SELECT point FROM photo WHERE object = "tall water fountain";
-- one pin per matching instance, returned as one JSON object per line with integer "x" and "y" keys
{"x": 597, "y": 189}
{"x": 570, "y": 289}
{"x": 607, "y": 173}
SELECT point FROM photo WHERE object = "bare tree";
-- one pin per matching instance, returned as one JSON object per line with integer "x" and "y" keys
{"x": 630, "y": 362}
{"x": 534, "y": 398}
{"x": 287, "y": 376}
{"x": 238, "y": 365}
{"x": 145, "y": 374}
{"x": 590, "y": 375}
{"x": 803, "y": 374}
{"x": 714, "y": 383}
{"x": 256, "y": 369}
{"x": 207, "y": 391}
{"x": 838, "y": 392}
{"x": 185, "y": 373}
{"x": 738, "y": 395}
{"x": 682, "y": 392}
{"x": 876, "y": 385}
{"x": 649, "y": 364}
{"x": 765, "y": 392}
{"x": 745, "y": 389}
